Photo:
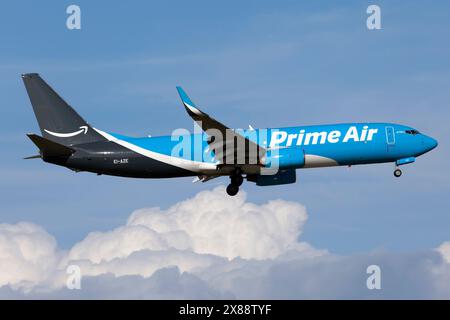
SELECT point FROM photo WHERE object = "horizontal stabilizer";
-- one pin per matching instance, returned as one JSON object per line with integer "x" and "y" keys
{"x": 50, "y": 148}
{"x": 37, "y": 156}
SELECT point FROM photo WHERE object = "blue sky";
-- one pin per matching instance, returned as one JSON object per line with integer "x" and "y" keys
{"x": 263, "y": 63}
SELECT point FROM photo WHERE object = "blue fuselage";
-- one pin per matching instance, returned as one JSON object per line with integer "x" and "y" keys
{"x": 321, "y": 146}
{"x": 355, "y": 143}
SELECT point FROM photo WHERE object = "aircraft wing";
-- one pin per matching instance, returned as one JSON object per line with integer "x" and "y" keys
{"x": 233, "y": 146}
{"x": 205, "y": 178}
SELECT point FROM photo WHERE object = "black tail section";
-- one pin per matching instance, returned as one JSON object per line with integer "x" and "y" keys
{"x": 58, "y": 121}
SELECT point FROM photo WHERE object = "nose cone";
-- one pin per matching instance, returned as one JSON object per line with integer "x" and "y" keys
{"x": 429, "y": 143}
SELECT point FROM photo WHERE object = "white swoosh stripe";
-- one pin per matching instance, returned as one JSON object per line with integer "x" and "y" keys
{"x": 314, "y": 161}
{"x": 195, "y": 166}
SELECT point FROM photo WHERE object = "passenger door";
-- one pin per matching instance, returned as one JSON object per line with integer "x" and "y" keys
{"x": 390, "y": 138}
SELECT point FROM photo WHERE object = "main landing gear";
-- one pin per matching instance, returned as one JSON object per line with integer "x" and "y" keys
{"x": 236, "y": 181}
{"x": 397, "y": 173}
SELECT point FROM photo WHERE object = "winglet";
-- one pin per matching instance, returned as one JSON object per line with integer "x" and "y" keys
{"x": 188, "y": 104}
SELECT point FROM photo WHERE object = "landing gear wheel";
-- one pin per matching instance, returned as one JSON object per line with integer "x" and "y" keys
{"x": 237, "y": 180}
{"x": 398, "y": 173}
{"x": 232, "y": 189}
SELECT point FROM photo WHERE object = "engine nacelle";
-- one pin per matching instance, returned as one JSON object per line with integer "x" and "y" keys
{"x": 284, "y": 158}
{"x": 281, "y": 177}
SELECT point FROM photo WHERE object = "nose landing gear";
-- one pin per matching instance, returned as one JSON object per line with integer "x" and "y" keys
{"x": 397, "y": 173}
{"x": 236, "y": 181}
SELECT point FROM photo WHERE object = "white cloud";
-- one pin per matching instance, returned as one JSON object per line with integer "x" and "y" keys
{"x": 209, "y": 246}
{"x": 444, "y": 250}
{"x": 210, "y": 223}
{"x": 28, "y": 254}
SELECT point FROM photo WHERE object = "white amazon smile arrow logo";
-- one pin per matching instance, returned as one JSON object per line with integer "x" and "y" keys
{"x": 67, "y": 135}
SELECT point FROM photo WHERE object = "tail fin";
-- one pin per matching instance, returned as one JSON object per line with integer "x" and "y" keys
{"x": 57, "y": 120}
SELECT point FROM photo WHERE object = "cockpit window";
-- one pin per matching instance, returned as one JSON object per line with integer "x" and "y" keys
{"x": 413, "y": 132}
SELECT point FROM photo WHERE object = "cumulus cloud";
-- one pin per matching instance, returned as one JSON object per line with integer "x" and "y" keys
{"x": 444, "y": 249}
{"x": 28, "y": 255}
{"x": 209, "y": 246}
{"x": 209, "y": 223}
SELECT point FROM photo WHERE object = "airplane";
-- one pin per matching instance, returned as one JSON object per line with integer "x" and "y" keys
{"x": 266, "y": 157}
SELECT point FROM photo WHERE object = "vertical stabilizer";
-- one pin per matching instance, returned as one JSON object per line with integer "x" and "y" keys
{"x": 58, "y": 121}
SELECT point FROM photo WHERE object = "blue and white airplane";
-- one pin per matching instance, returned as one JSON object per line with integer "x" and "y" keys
{"x": 263, "y": 156}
